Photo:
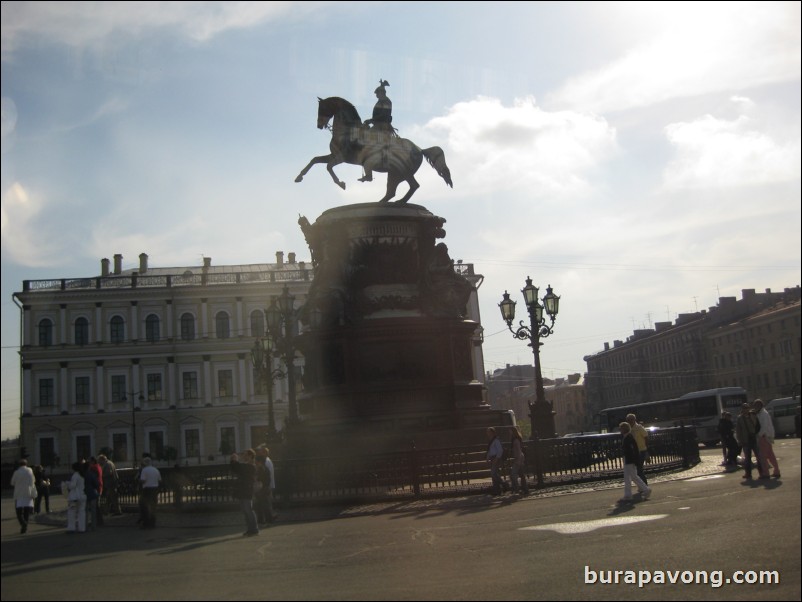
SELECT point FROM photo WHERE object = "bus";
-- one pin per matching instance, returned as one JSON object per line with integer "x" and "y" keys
{"x": 702, "y": 409}
{"x": 783, "y": 413}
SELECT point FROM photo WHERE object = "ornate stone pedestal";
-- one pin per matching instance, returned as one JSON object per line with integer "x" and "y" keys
{"x": 387, "y": 343}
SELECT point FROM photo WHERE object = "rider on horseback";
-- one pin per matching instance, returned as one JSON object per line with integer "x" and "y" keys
{"x": 382, "y": 120}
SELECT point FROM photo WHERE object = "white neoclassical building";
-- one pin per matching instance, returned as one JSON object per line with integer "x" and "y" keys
{"x": 152, "y": 359}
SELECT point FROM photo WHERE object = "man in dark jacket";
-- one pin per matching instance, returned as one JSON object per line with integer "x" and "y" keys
{"x": 746, "y": 429}
{"x": 244, "y": 470}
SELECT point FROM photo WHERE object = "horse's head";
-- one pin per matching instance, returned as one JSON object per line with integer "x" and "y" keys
{"x": 323, "y": 113}
{"x": 340, "y": 109}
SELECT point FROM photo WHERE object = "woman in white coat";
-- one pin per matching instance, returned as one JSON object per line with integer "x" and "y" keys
{"x": 24, "y": 484}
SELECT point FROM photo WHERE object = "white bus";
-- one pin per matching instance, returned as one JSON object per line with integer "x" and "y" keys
{"x": 783, "y": 413}
{"x": 702, "y": 409}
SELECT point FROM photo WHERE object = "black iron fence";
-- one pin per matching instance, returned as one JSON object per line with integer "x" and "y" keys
{"x": 420, "y": 473}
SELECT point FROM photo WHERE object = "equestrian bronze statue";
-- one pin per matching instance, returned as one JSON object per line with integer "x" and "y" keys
{"x": 375, "y": 149}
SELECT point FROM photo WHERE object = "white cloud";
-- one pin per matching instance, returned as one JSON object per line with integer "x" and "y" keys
{"x": 493, "y": 148}
{"x": 84, "y": 24}
{"x": 713, "y": 152}
{"x": 21, "y": 239}
{"x": 703, "y": 48}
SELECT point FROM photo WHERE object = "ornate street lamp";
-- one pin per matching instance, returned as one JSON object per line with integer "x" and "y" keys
{"x": 262, "y": 358}
{"x": 134, "y": 410}
{"x": 282, "y": 326}
{"x": 540, "y": 412}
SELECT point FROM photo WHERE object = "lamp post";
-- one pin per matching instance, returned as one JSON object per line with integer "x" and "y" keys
{"x": 262, "y": 357}
{"x": 282, "y": 326}
{"x": 134, "y": 409}
{"x": 540, "y": 413}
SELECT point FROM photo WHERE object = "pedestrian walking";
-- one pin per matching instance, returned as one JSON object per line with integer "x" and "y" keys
{"x": 244, "y": 469}
{"x": 265, "y": 474}
{"x": 518, "y": 462}
{"x": 150, "y": 479}
{"x": 24, "y": 484}
{"x": 641, "y": 436}
{"x": 630, "y": 451}
{"x": 746, "y": 428}
{"x": 765, "y": 442}
{"x": 495, "y": 455}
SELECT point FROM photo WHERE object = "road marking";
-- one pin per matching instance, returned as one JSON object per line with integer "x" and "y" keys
{"x": 706, "y": 477}
{"x": 591, "y": 525}
{"x": 684, "y": 508}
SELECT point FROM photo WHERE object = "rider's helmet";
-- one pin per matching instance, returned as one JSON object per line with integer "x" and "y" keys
{"x": 383, "y": 83}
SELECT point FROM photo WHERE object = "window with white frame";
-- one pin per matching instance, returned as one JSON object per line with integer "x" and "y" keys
{"x": 47, "y": 397}
{"x": 222, "y": 325}
{"x": 156, "y": 439}
{"x": 118, "y": 387}
{"x": 46, "y": 447}
{"x": 228, "y": 440}
{"x": 119, "y": 446}
{"x": 187, "y": 327}
{"x": 190, "y": 385}
{"x": 192, "y": 445}
{"x": 45, "y": 332}
{"x": 81, "y": 331}
{"x": 154, "y": 386}
{"x": 257, "y": 324}
{"x": 117, "y": 330}
{"x": 152, "y": 328}
{"x": 83, "y": 390}
{"x": 225, "y": 383}
{"x": 83, "y": 446}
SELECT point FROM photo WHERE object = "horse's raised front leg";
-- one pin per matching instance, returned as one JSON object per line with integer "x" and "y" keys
{"x": 413, "y": 186}
{"x": 335, "y": 160}
{"x": 315, "y": 161}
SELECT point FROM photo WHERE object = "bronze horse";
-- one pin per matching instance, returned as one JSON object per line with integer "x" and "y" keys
{"x": 382, "y": 151}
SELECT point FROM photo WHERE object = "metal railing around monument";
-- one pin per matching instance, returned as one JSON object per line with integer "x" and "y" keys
{"x": 420, "y": 473}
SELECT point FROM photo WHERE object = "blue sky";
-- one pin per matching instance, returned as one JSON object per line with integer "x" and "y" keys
{"x": 642, "y": 158}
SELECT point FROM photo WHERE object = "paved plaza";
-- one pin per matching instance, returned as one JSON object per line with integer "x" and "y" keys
{"x": 558, "y": 543}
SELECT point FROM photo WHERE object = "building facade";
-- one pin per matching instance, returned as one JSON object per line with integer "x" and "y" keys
{"x": 513, "y": 388}
{"x": 149, "y": 360}
{"x": 760, "y": 353}
{"x": 752, "y": 342}
{"x": 569, "y": 402}
{"x": 157, "y": 360}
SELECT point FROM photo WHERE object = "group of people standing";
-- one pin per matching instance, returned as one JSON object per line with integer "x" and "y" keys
{"x": 254, "y": 487}
{"x": 634, "y": 447}
{"x": 84, "y": 491}
{"x": 91, "y": 490}
{"x": 753, "y": 434}
{"x": 496, "y": 457}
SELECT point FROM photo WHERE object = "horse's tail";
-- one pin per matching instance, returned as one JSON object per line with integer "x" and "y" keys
{"x": 437, "y": 159}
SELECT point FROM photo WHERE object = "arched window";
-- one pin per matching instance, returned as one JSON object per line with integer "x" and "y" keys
{"x": 117, "y": 329}
{"x": 257, "y": 324}
{"x": 81, "y": 331}
{"x": 152, "y": 328}
{"x": 187, "y": 327}
{"x": 45, "y": 332}
{"x": 223, "y": 328}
